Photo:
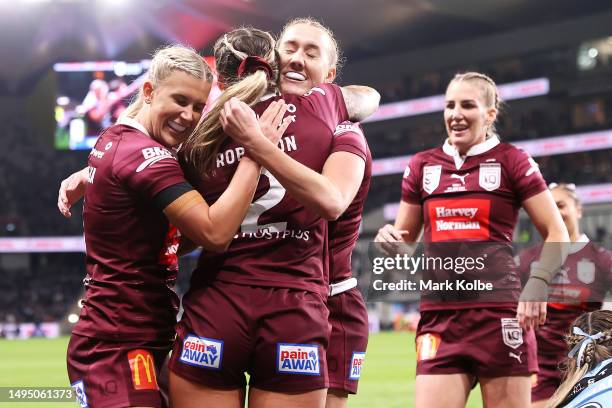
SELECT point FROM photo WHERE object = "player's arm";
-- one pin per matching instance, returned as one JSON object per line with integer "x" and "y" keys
{"x": 544, "y": 214}
{"x": 327, "y": 194}
{"x": 212, "y": 227}
{"x": 72, "y": 189}
{"x": 361, "y": 101}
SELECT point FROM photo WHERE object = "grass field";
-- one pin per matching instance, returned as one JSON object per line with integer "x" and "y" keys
{"x": 387, "y": 379}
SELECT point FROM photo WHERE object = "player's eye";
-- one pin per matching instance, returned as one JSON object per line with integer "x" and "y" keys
{"x": 199, "y": 107}
{"x": 181, "y": 100}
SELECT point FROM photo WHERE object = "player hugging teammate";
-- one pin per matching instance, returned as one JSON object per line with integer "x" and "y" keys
{"x": 260, "y": 307}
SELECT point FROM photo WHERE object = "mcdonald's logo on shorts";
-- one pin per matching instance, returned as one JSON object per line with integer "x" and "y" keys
{"x": 427, "y": 346}
{"x": 142, "y": 366}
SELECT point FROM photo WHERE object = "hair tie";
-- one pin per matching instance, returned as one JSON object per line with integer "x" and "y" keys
{"x": 253, "y": 63}
{"x": 588, "y": 338}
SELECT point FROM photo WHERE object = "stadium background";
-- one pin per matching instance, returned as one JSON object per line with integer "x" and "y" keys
{"x": 554, "y": 56}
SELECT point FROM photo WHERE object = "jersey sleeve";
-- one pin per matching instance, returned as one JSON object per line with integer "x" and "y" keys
{"x": 526, "y": 176}
{"x": 327, "y": 101}
{"x": 411, "y": 182}
{"x": 348, "y": 137}
{"x": 147, "y": 170}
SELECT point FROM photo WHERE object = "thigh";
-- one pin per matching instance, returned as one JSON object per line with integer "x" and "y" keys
{"x": 442, "y": 391}
{"x": 348, "y": 317}
{"x": 213, "y": 342}
{"x": 112, "y": 374}
{"x": 507, "y": 392}
{"x": 291, "y": 338}
{"x": 188, "y": 394}
{"x": 259, "y": 398}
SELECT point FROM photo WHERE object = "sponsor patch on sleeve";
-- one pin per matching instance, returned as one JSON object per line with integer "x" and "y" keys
{"x": 202, "y": 352}
{"x": 356, "y": 365}
{"x": 298, "y": 359}
{"x": 79, "y": 391}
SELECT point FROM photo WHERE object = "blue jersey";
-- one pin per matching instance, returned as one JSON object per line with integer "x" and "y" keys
{"x": 594, "y": 390}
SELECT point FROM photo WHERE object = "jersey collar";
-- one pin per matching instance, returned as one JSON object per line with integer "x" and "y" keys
{"x": 133, "y": 123}
{"x": 480, "y": 148}
{"x": 578, "y": 245}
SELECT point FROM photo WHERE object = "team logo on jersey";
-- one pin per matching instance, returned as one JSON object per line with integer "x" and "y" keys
{"x": 431, "y": 178}
{"x": 142, "y": 366}
{"x": 298, "y": 359}
{"x": 427, "y": 346}
{"x": 586, "y": 271}
{"x": 79, "y": 391}
{"x": 345, "y": 128}
{"x": 152, "y": 155}
{"x": 453, "y": 219}
{"x": 489, "y": 176}
{"x": 202, "y": 352}
{"x": 511, "y": 332}
{"x": 356, "y": 364}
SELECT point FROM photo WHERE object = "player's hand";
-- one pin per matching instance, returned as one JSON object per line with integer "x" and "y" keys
{"x": 72, "y": 189}
{"x": 531, "y": 311}
{"x": 390, "y": 240}
{"x": 272, "y": 121}
{"x": 239, "y": 121}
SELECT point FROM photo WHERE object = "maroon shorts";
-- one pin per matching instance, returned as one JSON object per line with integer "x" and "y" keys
{"x": 279, "y": 336}
{"x": 485, "y": 343}
{"x": 348, "y": 317}
{"x": 112, "y": 374}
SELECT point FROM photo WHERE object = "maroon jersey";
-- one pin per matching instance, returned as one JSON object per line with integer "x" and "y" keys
{"x": 580, "y": 286}
{"x": 280, "y": 243}
{"x": 475, "y": 197}
{"x": 131, "y": 248}
{"x": 343, "y": 232}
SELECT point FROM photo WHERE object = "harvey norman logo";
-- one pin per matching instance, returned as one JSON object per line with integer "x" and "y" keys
{"x": 152, "y": 155}
{"x": 298, "y": 359}
{"x": 444, "y": 212}
{"x": 459, "y": 219}
{"x": 202, "y": 352}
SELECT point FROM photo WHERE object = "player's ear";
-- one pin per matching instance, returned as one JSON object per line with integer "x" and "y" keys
{"x": 147, "y": 91}
{"x": 331, "y": 75}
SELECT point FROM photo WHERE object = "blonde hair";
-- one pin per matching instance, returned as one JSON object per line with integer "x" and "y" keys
{"x": 596, "y": 351}
{"x": 569, "y": 188}
{"x": 489, "y": 90}
{"x": 165, "y": 61}
{"x": 203, "y": 145}
{"x": 335, "y": 57}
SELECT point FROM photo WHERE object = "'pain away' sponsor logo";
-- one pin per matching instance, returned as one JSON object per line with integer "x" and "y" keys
{"x": 152, "y": 155}
{"x": 202, "y": 352}
{"x": 356, "y": 365}
{"x": 453, "y": 219}
{"x": 298, "y": 359}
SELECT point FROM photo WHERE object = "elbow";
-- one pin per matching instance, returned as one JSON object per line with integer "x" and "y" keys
{"x": 332, "y": 210}
{"x": 216, "y": 242}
